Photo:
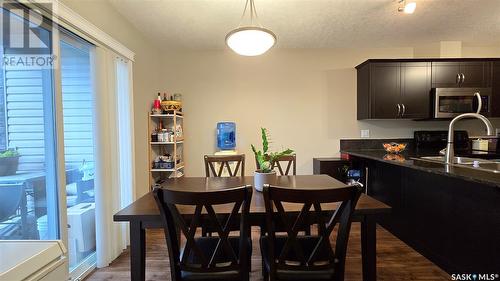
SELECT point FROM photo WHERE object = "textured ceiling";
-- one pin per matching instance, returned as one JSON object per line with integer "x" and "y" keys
{"x": 203, "y": 24}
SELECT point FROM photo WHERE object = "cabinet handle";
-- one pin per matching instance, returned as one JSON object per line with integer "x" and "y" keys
{"x": 399, "y": 109}
{"x": 463, "y": 78}
{"x": 458, "y": 78}
{"x": 404, "y": 109}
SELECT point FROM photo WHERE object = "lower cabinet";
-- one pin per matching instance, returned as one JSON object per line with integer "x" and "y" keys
{"x": 334, "y": 167}
{"x": 453, "y": 222}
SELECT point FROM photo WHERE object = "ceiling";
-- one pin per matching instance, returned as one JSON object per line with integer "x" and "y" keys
{"x": 203, "y": 24}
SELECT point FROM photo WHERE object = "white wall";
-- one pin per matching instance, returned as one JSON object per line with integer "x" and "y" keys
{"x": 306, "y": 98}
{"x": 146, "y": 71}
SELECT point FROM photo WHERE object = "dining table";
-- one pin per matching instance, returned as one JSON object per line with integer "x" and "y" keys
{"x": 144, "y": 214}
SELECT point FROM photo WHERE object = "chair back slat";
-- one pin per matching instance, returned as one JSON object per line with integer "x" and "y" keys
{"x": 224, "y": 164}
{"x": 292, "y": 231}
{"x": 189, "y": 234}
{"x": 318, "y": 253}
{"x": 291, "y": 165}
{"x": 223, "y": 234}
{"x": 222, "y": 257}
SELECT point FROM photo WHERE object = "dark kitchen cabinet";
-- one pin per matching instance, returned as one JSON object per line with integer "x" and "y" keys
{"x": 401, "y": 88}
{"x": 453, "y": 222}
{"x": 394, "y": 90}
{"x": 495, "y": 90}
{"x": 470, "y": 74}
{"x": 415, "y": 90}
{"x": 385, "y": 90}
{"x": 476, "y": 74}
{"x": 445, "y": 74}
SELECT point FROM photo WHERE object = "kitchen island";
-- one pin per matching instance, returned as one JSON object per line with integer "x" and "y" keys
{"x": 451, "y": 215}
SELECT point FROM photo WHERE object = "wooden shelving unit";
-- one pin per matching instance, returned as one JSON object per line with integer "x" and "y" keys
{"x": 174, "y": 148}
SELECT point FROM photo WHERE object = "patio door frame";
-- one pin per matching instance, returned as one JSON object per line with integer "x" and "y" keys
{"x": 70, "y": 21}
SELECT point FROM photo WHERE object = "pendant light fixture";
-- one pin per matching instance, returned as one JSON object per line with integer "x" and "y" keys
{"x": 253, "y": 39}
{"x": 408, "y": 6}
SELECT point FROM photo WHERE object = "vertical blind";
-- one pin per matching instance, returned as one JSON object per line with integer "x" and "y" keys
{"x": 114, "y": 164}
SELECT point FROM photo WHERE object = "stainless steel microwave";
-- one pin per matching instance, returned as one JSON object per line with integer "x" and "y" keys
{"x": 451, "y": 102}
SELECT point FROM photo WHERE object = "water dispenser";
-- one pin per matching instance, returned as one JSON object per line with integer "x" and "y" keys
{"x": 226, "y": 135}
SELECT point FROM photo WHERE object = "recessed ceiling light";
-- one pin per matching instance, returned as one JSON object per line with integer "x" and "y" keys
{"x": 408, "y": 7}
{"x": 253, "y": 39}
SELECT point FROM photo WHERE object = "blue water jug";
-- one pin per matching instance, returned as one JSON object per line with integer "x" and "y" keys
{"x": 226, "y": 135}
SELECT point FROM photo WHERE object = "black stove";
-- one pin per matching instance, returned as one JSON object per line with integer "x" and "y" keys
{"x": 428, "y": 143}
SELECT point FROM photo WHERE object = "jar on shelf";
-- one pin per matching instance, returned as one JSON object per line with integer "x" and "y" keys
{"x": 162, "y": 136}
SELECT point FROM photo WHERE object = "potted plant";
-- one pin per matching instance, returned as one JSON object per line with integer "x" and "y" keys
{"x": 9, "y": 160}
{"x": 265, "y": 162}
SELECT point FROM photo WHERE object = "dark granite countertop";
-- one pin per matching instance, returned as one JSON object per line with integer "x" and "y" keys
{"x": 406, "y": 159}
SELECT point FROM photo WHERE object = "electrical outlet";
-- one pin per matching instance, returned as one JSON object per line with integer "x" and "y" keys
{"x": 365, "y": 133}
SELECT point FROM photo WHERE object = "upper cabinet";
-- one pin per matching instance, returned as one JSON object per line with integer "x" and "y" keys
{"x": 391, "y": 90}
{"x": 473, "y": 74}
{"x": 415, "y": 90}
{"x": 385, "y": 87}
{"x": 495, "y": 89}
{"x": 402, "y": 89}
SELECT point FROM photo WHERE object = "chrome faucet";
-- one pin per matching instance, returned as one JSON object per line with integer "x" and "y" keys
{"x": 450, "y": 150}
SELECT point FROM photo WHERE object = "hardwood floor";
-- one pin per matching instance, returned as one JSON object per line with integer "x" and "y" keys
{"x": 395, "y": 260}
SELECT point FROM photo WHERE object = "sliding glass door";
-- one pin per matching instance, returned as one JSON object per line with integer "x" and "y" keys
{"x": 35, "y": 203}
{"x": 57, "y": 92}
{"x": 29, "y": 205}
{"x": 78, "y": 111}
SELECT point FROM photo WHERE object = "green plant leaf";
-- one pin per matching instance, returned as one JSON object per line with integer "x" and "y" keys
{"x": 265, "y": 167}
{"x": 11, "y": 152}
{"x": 265, "y": 142}
{"x": 253, "y": 149}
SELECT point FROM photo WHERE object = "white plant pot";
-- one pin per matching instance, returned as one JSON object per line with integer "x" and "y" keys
{"x": 263, "y": 178}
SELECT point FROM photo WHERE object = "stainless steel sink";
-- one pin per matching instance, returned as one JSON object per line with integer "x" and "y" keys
{"x": 493, "y": 167}
{"x": 465, "y": 162}
{"x": 457, "y": 160}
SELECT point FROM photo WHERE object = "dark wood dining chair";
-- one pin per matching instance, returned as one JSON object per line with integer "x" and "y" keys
{"x": 224, "y": 162}
{"x": 291, "y": 165}
{"x": 292, "y": 256}
{"x": 220, "y": 257}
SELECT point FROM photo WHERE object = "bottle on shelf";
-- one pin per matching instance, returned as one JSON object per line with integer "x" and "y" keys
{"x": 157, "y": 105}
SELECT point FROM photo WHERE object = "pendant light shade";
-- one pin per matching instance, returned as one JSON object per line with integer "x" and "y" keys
{"x": 250, "y": 41}
{"x": 253, "y": 39}
{"x": 408, "y": 7}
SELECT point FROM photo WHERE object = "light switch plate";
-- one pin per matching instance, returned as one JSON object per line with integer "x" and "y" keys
{"x": 365, "y": 133}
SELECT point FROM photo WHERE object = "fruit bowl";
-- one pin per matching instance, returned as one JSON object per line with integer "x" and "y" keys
{"x": 394, "y": 148}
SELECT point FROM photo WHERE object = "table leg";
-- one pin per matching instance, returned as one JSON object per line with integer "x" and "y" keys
{"x": 369, "y": 248}
{"x": 137, "y": 252}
